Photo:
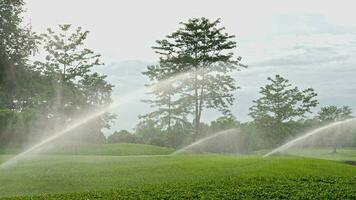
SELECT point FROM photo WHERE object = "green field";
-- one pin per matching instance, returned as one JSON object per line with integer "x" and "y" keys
{"x": 343, "y": 154}
{"x": 104, "y": 176}
{"x": 120, "y": 149}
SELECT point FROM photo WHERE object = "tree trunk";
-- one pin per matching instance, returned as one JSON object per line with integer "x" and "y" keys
{"x": 169, "y": 113}
{"x": 196, "y": 120}
{"x": 201, "y": 101}
{"x": 334, "y": 149}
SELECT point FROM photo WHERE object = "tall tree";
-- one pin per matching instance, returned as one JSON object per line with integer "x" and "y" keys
{"x": 280, "y": 104}
{"x": 21, "y": 89}
{"x": 169, "y": 108}
{"x": 17, "y": 43}
{"x": 67, "y": 60}
{"x": 70, "y": 66}
{"x": 202, "y": 48}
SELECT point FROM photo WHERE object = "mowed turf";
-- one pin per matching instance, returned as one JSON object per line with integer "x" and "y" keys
{"x": 176, "y": 177}
{"x": 118, "y": 149}
{"x": 342, "y": 154}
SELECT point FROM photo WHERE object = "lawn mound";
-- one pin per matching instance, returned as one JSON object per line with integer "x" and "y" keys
{"x": 115, "y": 149}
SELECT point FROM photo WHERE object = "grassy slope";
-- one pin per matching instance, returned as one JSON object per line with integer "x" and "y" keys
{"x": 343, "y": 154}
{"x": 207, "y": 176}
{"x": 117, "y": 149}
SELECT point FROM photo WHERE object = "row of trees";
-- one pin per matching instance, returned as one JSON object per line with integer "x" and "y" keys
{"x": 278, "y": 115}
{"x": 46, "y": 80}
{"x": 202, "y": 51}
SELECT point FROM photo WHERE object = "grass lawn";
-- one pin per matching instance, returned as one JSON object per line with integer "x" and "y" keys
{"x": 343, "y": 154}
{"x": 118, "y": 149}
{"x": 177, "y": 177}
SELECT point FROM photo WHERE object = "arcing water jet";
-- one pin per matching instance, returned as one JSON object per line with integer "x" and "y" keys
{"x": 93, "y": 115}
{"x": 205, "y": 140}
{"x": 308, "y": 135}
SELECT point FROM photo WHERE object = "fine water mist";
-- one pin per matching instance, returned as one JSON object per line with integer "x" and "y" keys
{"x": 227, "y": 141}
{"x": 332, "y": 135}
{"x": 80, "y": 121}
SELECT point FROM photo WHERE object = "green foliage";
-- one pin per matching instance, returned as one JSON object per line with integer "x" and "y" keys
{"x": 150, "y": 133}
{"x": 187, "y": 177}
{"x": 223, "y": 123}
{"x": 203, "y": 49}
{"x": 278, "y": 107}
{"x": 46, "y": 95}
{"x": 330, "y": 114}
{"x": 77, "y": 90}
{"x": 66, "y": 59}
{"x": 123, "y": 136}
{"x": 333, "y": 113}
{"x": 228, "y": 188}
{"x": 179, "y": 134}
{"x": 17, "y": 44}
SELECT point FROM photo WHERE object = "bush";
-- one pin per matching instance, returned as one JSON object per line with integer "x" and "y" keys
{"x": 123, "y": 136}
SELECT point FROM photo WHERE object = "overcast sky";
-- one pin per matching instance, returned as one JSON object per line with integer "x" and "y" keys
{"x": 312, "y": 43}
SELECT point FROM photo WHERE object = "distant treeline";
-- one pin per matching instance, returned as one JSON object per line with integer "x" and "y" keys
{"x": 43, "y": 94}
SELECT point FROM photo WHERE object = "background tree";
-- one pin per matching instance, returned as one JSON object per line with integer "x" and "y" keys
{"x": 223, "y": 123}
{"x": 169, "y": 109}
{"x": 279, "y": 105}
{"x": 202, "y": 48}
{"x": 77, "y": 89}
{"x": 17, "y": 44}
{"x": 123, "y": 136}
{"x": 148, "y": 131}
{"x": 331, "y": 114}
{"x": 22, "y": 90}
{"x": 66, "y": 61}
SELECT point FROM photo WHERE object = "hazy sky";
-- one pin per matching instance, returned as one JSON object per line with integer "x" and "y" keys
{"x": 312, "y": 43}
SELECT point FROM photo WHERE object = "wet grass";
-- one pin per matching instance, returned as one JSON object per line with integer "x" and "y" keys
{"x": 342, "y": 154}
{"x": 177, "y": 177}
{"x": 117, "y": 149}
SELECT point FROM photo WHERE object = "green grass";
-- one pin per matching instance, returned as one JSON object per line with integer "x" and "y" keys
{"x": 179, "y": 177}
{"x": 343, "y": 154}
{"x": 117, "y": 149}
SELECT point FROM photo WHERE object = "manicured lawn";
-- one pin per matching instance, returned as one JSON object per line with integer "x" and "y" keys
{"x": 118, "y": 149}
{"x": 343, "y": 154}
{"x": 177, "y": 177}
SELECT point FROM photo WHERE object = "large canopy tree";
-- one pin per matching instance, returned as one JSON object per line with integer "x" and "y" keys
{"x": 70, "y": 65}
{"x": 204, "y": 50}
{"x": 17, "y": 44}
{"x": 28, "y": 89}
{"x": 21, "y": 89}
{"x": 280, "y": 104}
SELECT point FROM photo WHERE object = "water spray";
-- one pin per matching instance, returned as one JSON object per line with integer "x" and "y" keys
{"x": 205, "y": 139}
{"x": 309, "y": 134}
{"x": 93, "y": 115}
